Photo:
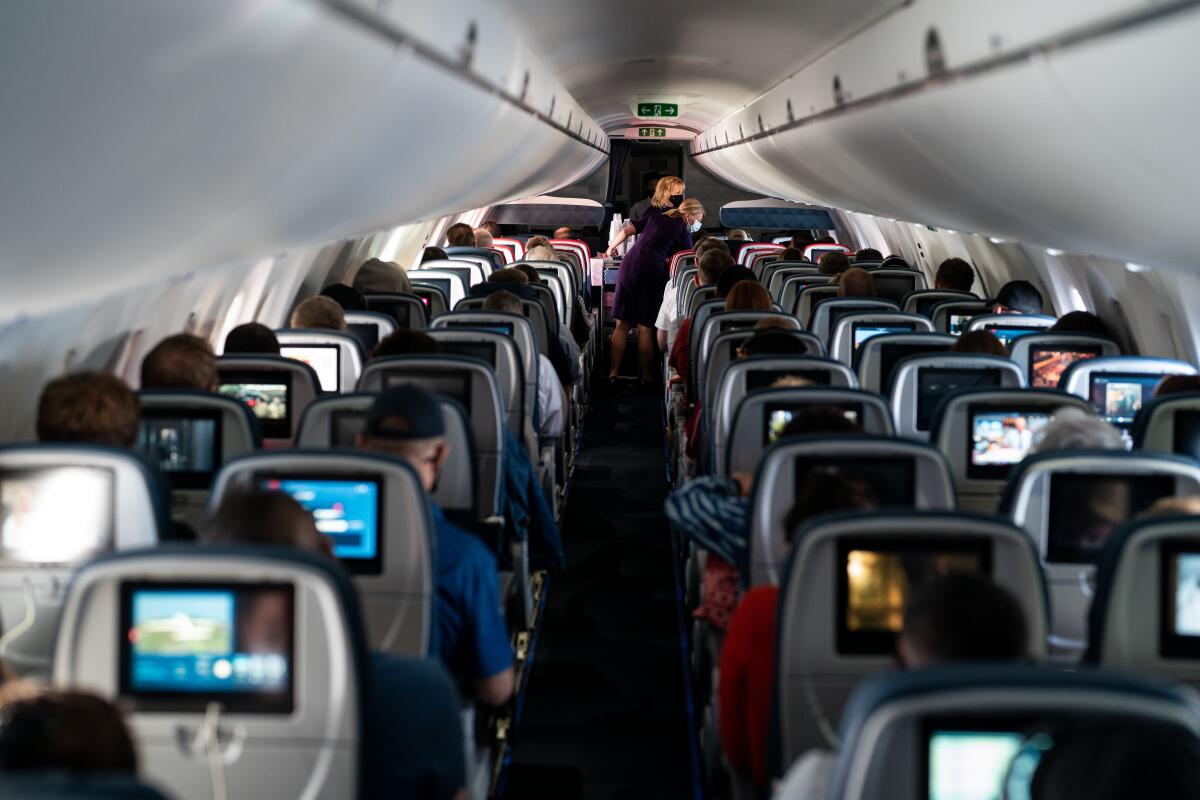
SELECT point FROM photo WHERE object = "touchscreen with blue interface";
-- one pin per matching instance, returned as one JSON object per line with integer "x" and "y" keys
{"x": 346, "y": 511}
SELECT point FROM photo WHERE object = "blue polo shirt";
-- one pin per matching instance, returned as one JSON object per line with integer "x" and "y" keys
{"x": 472, "y": 637}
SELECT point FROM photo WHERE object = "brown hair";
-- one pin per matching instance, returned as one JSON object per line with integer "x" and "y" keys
{"x": 460, "y": 234}
{"x": 980, "y": 342}
{"x": 748, "y": 296}
{"x": 183, "y": 361}
{"x": 88, "y": 408}
{"x": 663, "y": 190}
{"x": 249, "y": 515}
{"x": 1177, "y": 384}
{"x": 508, "y": 275}
{"x": 856, "y": 282}
{"x": 403, "y": 342}
{"x": 834, "y": 262}
{"x": 712, "y": 263}
{"x": 504, "y": 301}
{"x": 63, "y": 730}
{"x": 536, "y": 241}
{"x": 319, "y": 312}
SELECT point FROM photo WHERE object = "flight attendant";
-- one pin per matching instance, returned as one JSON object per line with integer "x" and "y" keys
{"x": 643, "y": 276}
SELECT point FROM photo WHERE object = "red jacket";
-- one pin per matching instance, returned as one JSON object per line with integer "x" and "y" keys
{"x": 746, "y": 682}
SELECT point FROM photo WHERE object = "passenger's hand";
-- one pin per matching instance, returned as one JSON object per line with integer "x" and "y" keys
{"x": 745, "y": 482}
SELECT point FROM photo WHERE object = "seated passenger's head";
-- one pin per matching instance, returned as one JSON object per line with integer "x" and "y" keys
{"x": 405, "y": 342}
{"x": 492, "y": 227}
{"x": 562, "y": 233}
{"x": 319, "y": 312}
{"x": 960, "y": 617}
{"x": 980, "y": 342}
{"x": 406, "y": 422}
{"x": 800, "y": 240}
{"x": 825, "y": 491}
{"x": 1076, "y": 429}
{"x": 711, "y": 264}
{"x": 536, "y": 241}
{"x": 460, "y": 234}
{"x": 531, "y": 273}
{"x": 542, "y": 252}
{"x": 820, "y": 419}
{"x": 1177, "y": 384}
{"x": 252, "y": 337}
{"x": 737, "y": 235}
{"x": 868, "y": 254}
{"x": 88, "y": 408}
{"x": 508, "y": 275}
{"x": 833, "y": 262}
{"x": 251, "y": 515}
{"x": 504, "y": 301}
{"x": 64, "y": 731}
{"x": 349, "y": 298}
{"x": 856, "y": 282}
{"x": 773, "y": 343}
{"x": 709, "y": 243}
{"x": 791, "y": 254}
{"x": 181, "y": 361}
{"x": 483, "y": 238}
{"x": 1116, "y": 762}
{"x": 894, "y": 262}
{"x": 955, "y": 274}
{"x": 376, "y": 276}
{"x": 1081, "y": 322}
{"x": 730, "y": 277}
{"x": 748, "y": 296}
{"x": 1018, "y": 297}
{"x": 433, "y": 253}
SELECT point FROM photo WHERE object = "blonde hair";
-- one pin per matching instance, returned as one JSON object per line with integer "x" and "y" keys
{"x": 666, "y": 187}
{"x": 319, "y": 312}
{"x": 690, "y": 206}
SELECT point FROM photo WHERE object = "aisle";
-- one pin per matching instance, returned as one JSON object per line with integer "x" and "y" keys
{"x": 605, "y": 713}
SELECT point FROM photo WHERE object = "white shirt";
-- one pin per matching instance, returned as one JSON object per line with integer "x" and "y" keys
{"x": 550, "y": 399}
{"x": 811, "y": 776}
{"x": 668, "y": 314}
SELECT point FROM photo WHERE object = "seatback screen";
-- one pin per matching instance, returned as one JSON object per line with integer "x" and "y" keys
{"x": 836, "y": 312}
{"x": 935, "y": 384}
{"x": 877, "y": 577}
{"x": 325, "y": 359}
{"x": 958, "y": 323}
{"x": 778, "y": 416}
{"x": 457, "y": 387}
{"x": 1187, "y": 433}
{"x": 56, "y": 515}
{"x": 268, "y": 396}
{"x": 345, "y": 511}
{"x": 1085, "y": 509}
{"x": 891, "y": 354}
{"x": 1001, "y": 437}
{"x": 398, "y": 310}
{"x": 186, "y": 448}
{"x": 486, "y": 351}
{"x": 503, "y": 328}
{"x": 894, "y": 287}
{"x": 893, "y": 479}
{"x": 184, "y": 645}
{"x": 867, "y": 330}
{"x": 1006, "y": 333}
{"x": 441, "y": 284}
{"x": 969, "y": 764}
{"x": 766, "y": 378}
{"x": 1047, "y": 364}
{"x": 1119, "y": 396}
{"x": 367, "y": 334}
{"x": 1179, "y": 604}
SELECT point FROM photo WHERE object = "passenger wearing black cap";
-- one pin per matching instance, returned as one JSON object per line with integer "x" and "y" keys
{"x": 1018, "y": 297}
{"x": 406, "y": 422}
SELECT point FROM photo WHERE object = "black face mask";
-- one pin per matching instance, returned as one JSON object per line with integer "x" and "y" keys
{"x": 676, "y": 199}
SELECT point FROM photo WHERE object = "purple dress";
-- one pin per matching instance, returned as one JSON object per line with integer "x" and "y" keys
{"x": 643, "y": 274}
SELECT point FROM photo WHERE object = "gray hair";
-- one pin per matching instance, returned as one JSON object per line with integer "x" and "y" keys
{"x": 1076, "y": 429}
{"x": 542, "y": 253}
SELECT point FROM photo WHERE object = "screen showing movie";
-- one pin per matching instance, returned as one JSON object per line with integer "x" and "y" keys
{"x": 1047, "y": 364}
{"x": 970, "y": 765}
{"x": 1001, "y": 438}
{"x": 346, "y": 512}
{"x": 935, "y": 384}
{"x": 1086, "y": 508}
{"x": 768, "y": 378}
{"x": 1179, "y": 610}
{"x": 344, "y": 428}
{"x": 266, "y": 394}
{"x": 185, "y": 448}
{"x": 325, "y": 359}
{"x": 1119, "y": 396}
{"x": 55, "y": 515}
{"x": 958, "y": 323}
{"x": 892, "y": 480}
{"x": 778, "y": 417}
{"x": 878, "y": 576}
{"x": 891, "y": 354}
{"x": 185, "y": 645}
{"x": 454, "y": 387}
{"x": 862, "y": 331}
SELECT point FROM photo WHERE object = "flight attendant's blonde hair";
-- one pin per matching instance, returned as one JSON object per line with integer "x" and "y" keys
{"x": 666, "y": 187}
{"x": 691, "y": 206}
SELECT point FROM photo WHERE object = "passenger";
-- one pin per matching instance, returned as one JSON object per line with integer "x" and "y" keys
{"x": 536, "y": 241}
{"x": 63, "y": 731}
{"x": 405, "y": 342}
{"x": 801, "y": 240}
{"x": 460, "y": 234}
{"x": 413, "y": 727}
{"x": 376, "y": 276}
{"x": 738, "y": 235}
{"x": 1075, "y": 429}
{"x": 980, "y": 342}
{"x": 89, "y": 408}
{"x": 252, "y": 337}
{"x": 731, "y": 276}
{"x": 711, "y": 261}
{"x": 1081, "y": 322}
{"x": 564, "y": 350}
{"x": 894, "y": 262}
{"x": 868, "y": 254}
{"x": 483, "y": 238}
{"x": 1115, "y": 762}
{"x": 638, "y": 209}
{"x": 954, "y": 274}
{"x": 549, "y": 390}
{"x": 509, "y": 275}
{"x": 493, "y": 227}
{"x": 833, "y": 262}
{"x": 542, "y": 252}
{"x": 349, "y": 298}
{"x": 1177, "y": 384}
{"x": 748, "y": 296}
{"x": 562, "y": 233}
{"x": 181, "y": 361}
{"x": 319, "y": 312}
{"x": 433, "y": 253}
{"x": 773, "y": 341}
{"x": 643, "y": 277}
{"x": 1018, "y": 297}
{"x": 791, "y": 254}
{"x": 407, "y": 423}
{"x": 530, "y": 272}
{"x": 855, "y": 282}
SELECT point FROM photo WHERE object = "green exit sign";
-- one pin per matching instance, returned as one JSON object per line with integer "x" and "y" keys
{"x": 658, "y": 110}
{"x": 652, "y": 133}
